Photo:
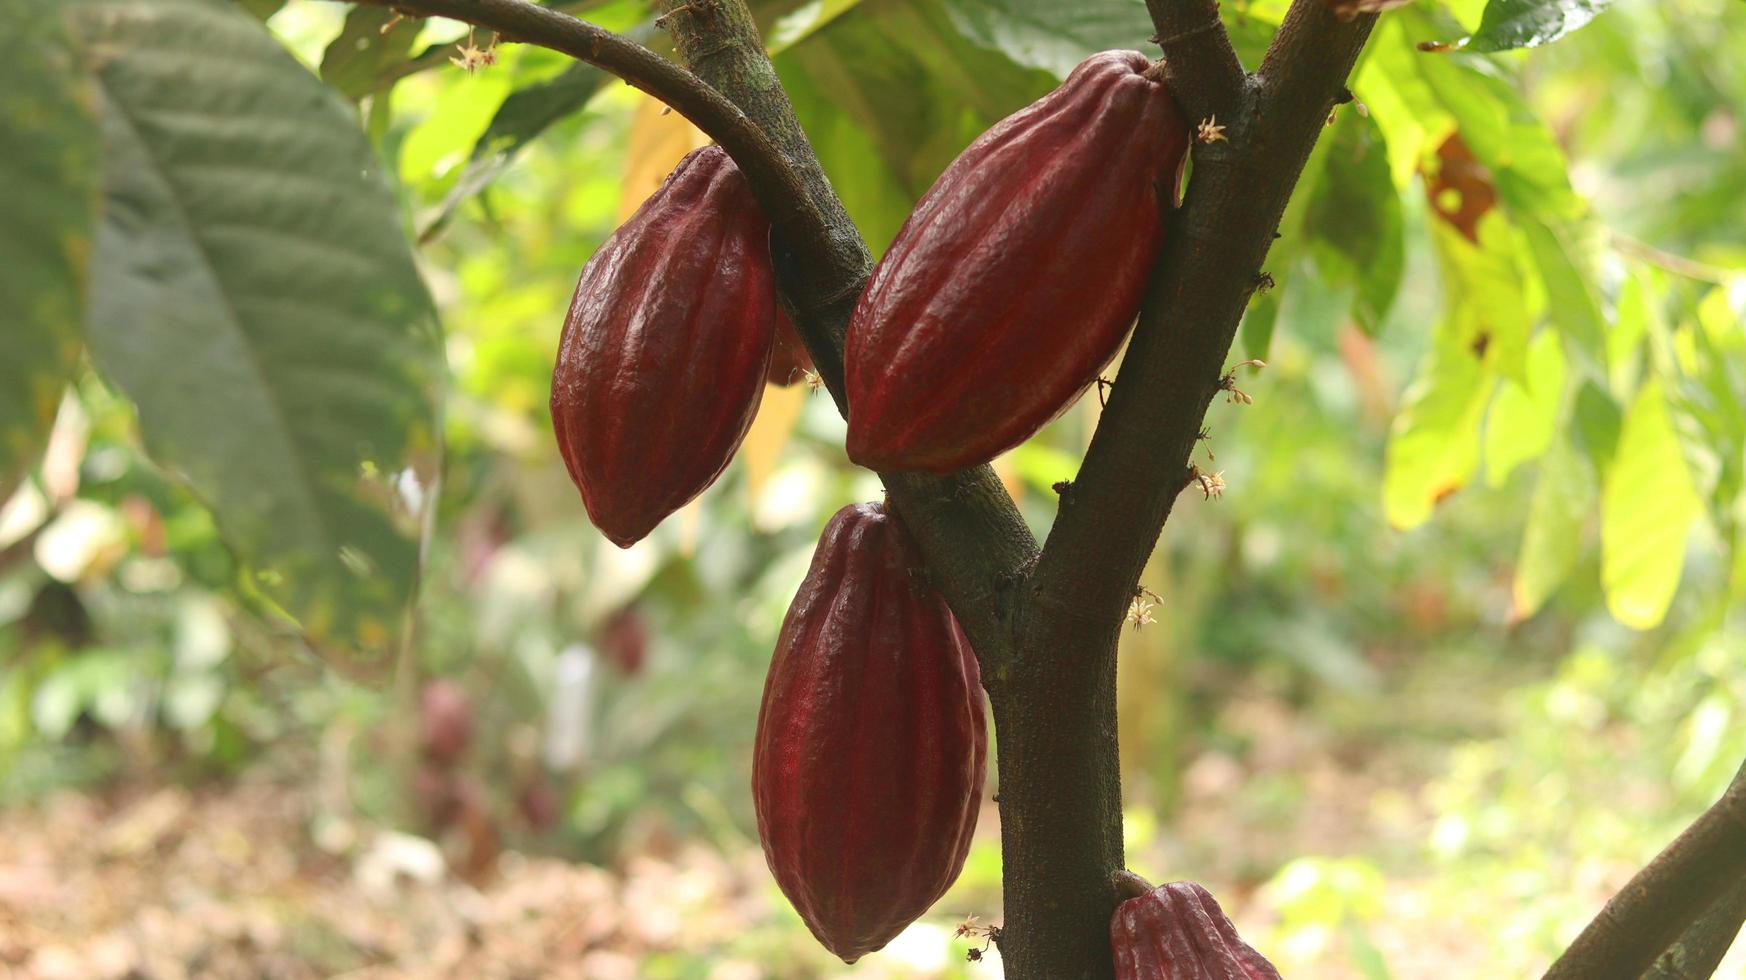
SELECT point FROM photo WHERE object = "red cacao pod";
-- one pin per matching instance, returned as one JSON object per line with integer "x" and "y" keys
{"x": 789, "y": 361}
{"x": 1178, "y": 932}
{"x": 1017, "y": 275}
{"x": 871, "y": 746}
{"x": 665, "y": 348}
{"x": 624, "y": 640}
{"x": 445, "y": 722}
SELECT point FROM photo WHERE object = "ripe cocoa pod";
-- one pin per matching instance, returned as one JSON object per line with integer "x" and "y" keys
{"x": 1017, "y": 275}
{"x": 445, "y": 722}
{"x": 789, "y": 360}
{"x": 1178, "y": 932}
{"x": 665, "y": 348}
{"x": 871, "y": 746}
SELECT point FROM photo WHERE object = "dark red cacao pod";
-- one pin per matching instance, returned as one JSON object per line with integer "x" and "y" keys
{"x": 1178, "y": 932}
{"x": 445, "y": 722}
{"x": 624, "y": 640}
{"x": 871, "y": 746}
{"x": 789, "y": 361}
{"x": 1017, "y": 275}
{"x": 665, "y": 347}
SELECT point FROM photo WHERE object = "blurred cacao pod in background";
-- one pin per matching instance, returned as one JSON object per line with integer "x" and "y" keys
{"x": 624, "y": 640}
{"x": 871, "y": 744}
{"x": 445, "y": 722}
{"x": 1178, "y": 932}
{"x": 665, "y": 348}
{"x": 1017, "y": 275}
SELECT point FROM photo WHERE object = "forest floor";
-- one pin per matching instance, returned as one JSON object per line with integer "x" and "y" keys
{"x": 244, "y": 878}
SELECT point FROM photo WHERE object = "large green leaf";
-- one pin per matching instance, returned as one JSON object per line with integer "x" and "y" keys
{"x": 522, "y": 117}
{"x": 905, "y": 77}
{"x": 1051, "y": 35}
{"x": 1552, "y": 539}
{"x": 253, "y": 293}
{"x": 373, "y": 41}
{"x": 1648, "y": 505}
{"x": 1524, "y": 414}
{"x": 1433, "y": 447}
{"x": 1355, "y": 217}
{"x": 48, "y": 198}
{"x": 1527, "y": 23}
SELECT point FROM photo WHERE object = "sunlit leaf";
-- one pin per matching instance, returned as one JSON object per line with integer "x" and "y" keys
{"x": 252, "y": 292}
{"x": 1488, "y": 295}
{"x": 1564, "y": 494}
{"x": 1433, "y": 447}
{"x": 803, "y": 21}
{"x": 658, "y": 141}
{"x": 1528, "y": 23}
{"x": 522, "y": 117}
{"x": 1648, "y": 505}
{"x": 1524, "y": 414}
{"x": 48, "y": 199}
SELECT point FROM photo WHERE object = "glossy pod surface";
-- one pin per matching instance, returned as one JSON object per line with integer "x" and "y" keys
{"x": 665, "y": 348}
{"x": 1178, "y": 932}
{"x": 871, "y": 744}
{"x": 1018, "y": 274}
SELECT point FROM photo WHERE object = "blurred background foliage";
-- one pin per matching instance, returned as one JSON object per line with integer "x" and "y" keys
{"x": 1458, "y": 648}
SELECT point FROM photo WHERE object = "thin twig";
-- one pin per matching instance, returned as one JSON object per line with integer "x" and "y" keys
{"x": 774, "y": 181}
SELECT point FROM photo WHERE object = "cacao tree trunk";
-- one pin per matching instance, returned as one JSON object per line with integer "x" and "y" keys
{"x": 1060, "y": 799}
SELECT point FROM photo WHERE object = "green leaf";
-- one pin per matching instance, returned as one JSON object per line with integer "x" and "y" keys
{"x": 1648, "y": 505}
{"x": 363, "y": 52}
{"x": 522, "y": 117}
{"x": 1433, "y": 447}
{"x": 1706, "y": 393}
{"x": 1563, "y": 496}
{"x": 1051, "y": 35}
{"x": 1572, "y": 298}
{"x": 48, "y": 205}
{"x": 1356, "y": 220}
{"x": 254, "y": 295}
{"x": 1260, "y": 319}
{"x": 261, "y": 9}
{"x": 1528, "y": 23}
{"x": 1596, "y": 424}
{"x": 1487, "y": 293}
{"x": 803, "y": 21}
{"x": 907, "y": 79}
{"x": 1524, "y": 414}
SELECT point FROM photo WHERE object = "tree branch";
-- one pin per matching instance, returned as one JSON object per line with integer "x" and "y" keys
{"x": 778, "y": 187}
{"x": 1111, "y": 516}
{"x": 1700, "y": 948}
{"x": 1688, "y": 878}
{"x": 1200, "y": 66}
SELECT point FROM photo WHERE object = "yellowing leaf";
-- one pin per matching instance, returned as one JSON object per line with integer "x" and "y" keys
{"x": 1648, "y": 505}
{"x": 1524, "y": 417}
{"x": 777, "y": 415}
{"x": 1433, "y": 447}
{"x": 1550, "y": 542}
{"x": 658, "y": 141}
